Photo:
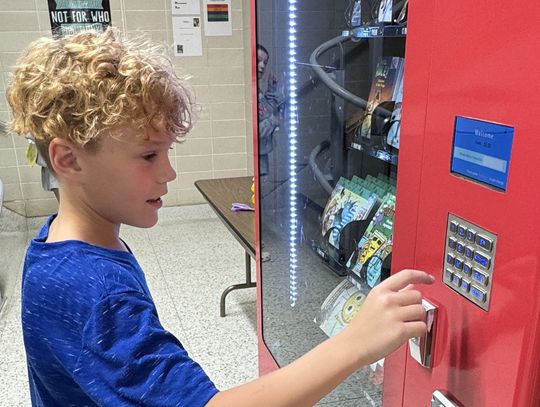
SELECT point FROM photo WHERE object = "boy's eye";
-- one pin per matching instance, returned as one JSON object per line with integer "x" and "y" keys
{"x": 149, "y": 156}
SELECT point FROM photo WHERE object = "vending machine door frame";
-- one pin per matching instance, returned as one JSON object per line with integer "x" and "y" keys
{"x": 415, "y": 88}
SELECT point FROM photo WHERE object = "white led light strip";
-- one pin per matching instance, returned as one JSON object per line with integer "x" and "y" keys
{"x": 293, "y": 126}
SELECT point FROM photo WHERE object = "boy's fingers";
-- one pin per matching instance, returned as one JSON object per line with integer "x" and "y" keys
{"x": 403, "y": 278}
{"x": 411, "y": 313}
{"x": 408, "y": 297}
{"x": 415, "y": 328}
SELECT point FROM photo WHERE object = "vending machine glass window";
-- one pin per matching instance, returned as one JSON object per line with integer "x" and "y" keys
{"x": 329, "y": 82}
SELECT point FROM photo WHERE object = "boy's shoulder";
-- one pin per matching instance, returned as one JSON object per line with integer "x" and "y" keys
{"x": 73, "y": 264}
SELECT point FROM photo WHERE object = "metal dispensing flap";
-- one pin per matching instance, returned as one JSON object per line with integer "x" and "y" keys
{"x": 421, "y": 347}
{"x": 440, "y": 400}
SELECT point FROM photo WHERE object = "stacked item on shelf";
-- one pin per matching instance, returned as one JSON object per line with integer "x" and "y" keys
{"x": 366, "y": 262}
{"x": 392, "y": 138}
{"x": 368, "y": 12}
{"x": 384, "y": 97}
{"x": 339, "y": 308}
{"x": 351, "y": 200}
{"x": 345, "y": 218}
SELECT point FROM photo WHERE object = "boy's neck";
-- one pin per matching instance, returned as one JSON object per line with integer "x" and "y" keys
{"x": 85, "y": 226}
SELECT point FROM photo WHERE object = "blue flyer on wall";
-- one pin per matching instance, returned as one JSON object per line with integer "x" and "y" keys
{"x": 72, "y": 16}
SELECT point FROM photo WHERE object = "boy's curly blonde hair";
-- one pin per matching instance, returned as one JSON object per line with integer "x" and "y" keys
{"x": 77, "y": 87}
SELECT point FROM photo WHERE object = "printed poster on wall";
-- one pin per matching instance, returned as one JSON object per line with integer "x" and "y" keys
{"x": 217, "y": 17}
{"x": 187, "y": 36}
{"x": 72, "y": 16}
{"x": 186, "y": 7}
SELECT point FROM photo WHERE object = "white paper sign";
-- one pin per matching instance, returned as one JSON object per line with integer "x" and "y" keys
{"x": 183, "y": 7}
{"x": 217, "y": 17}
{"x": 187, "y": 36}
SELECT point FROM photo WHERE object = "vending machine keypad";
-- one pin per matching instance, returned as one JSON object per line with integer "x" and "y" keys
{"x": 468, "y": 260}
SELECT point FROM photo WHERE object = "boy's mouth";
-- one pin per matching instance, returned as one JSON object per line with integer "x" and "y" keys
{"x": 155, "y": 202}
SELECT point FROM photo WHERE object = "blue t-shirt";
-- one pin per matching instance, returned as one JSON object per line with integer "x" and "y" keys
{"x": 92, "y": 334}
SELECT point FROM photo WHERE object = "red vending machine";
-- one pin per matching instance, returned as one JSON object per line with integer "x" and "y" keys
{"x": 350, "y": 189}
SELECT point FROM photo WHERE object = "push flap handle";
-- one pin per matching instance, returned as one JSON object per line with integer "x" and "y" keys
{"x": 421, "y": 347}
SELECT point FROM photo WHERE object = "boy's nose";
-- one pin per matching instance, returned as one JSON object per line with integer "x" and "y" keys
{"x": 168, "y": 173}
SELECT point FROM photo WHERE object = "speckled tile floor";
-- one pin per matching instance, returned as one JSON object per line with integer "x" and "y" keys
{"x": 189, "y": 257}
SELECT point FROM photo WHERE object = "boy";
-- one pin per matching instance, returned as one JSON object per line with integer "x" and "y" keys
{"x": 104, "y": 113}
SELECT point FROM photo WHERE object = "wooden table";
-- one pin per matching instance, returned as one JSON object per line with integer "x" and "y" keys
{"x": 221, "y": 193}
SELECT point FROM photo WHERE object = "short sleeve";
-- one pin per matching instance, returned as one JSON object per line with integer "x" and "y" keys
{"x": 129, "y": 359}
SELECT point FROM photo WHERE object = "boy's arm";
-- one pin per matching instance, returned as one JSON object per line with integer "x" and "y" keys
{"x": 391, "y": 314}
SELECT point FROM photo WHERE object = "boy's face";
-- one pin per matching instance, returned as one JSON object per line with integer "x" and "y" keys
{"x": 126, "y": 177}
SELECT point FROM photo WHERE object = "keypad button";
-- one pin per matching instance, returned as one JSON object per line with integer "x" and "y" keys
{"x": 471, "y": 234}
{"x": 467, "y": 269}
{"x": 449, "y": 274}
{"x": 484, "y": 242}
{"x": 461, "y": 231}
{"x": 460, "y": 248}
{"x": 469, "y": 252}
{"x": 465, "y": 285}
{"x": 456, "y": 280}
{"x": 484, "y": 261}
{"x": 458, "y": 263}
{"x": 453, "y": 226}
{"x": 450, "y": 259}
{"x": 452, "y": 243}
{"x": 480, "y": 277}
{"x": 478, "y": 293}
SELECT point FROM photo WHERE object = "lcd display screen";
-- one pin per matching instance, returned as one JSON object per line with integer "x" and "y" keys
{"x": 481, "y": 151}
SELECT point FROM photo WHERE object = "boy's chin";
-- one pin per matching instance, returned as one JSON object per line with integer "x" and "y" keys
{"x": 143, "y": 223}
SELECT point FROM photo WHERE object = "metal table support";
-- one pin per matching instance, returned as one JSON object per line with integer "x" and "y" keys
{"x": 247, "y": 284}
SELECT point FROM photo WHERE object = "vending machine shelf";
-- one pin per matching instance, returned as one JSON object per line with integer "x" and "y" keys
{"x": 378, "y": 31}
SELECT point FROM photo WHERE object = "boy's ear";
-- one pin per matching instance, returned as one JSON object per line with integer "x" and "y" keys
{"x": 63, "y": 156}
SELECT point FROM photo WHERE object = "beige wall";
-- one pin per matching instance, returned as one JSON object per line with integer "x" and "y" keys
{"x": 220, "y": 144}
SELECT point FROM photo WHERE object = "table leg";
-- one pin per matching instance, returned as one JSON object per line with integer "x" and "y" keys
{"x": 247, "y": 284}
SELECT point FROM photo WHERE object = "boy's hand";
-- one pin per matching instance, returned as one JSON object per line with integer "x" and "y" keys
{"x": 391, "y": 314}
